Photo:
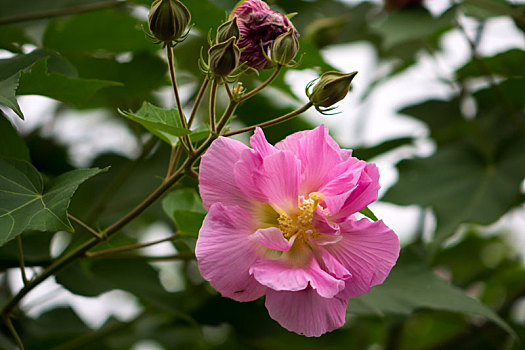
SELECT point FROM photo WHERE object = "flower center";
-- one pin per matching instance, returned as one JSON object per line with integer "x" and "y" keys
{"x": 301, "y": 223}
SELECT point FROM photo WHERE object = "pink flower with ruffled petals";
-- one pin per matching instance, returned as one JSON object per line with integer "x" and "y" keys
{"x": 281, "y": 223}
{"x": 259, "y": 26}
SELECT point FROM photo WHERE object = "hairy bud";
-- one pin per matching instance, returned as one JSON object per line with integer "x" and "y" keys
{"x": 227, "y": 30}
{"x": 168, "y": 20}
{"x": 331, "y": 88}
{"x": 285, "y": 47}
{"x": 224, "y": 57}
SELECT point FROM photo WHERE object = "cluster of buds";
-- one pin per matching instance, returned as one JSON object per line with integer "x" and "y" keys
{"x": 224, "y": 56}
{"x": 329, "y": 89}
{"x": 168, "y": 21}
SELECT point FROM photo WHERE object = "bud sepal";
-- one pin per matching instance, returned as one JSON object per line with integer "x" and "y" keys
{"x": 330, "y": 88}
{"x": 168, "y": 21}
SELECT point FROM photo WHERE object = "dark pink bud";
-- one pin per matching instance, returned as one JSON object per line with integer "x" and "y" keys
{"x": 259, "y": 26}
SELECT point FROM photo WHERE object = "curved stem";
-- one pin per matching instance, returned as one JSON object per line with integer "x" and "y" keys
{"x": 14, "y": 333}
{"x": 271, "y": 122}
{"x": 213, "y": 96}
{"x": 263, "y": 85}
{"x": 60, "y": 12}
{"x": 185, "y": 138}
{"x": 86, "y": 227}
{"x": 22, "y": 264}
{"x": 198, "y": 101}
{"x": 176, "y": 151}
{"x": 226, "y": 115}
{"x": 228, "y": 90}
{"x": 129, "y": 247}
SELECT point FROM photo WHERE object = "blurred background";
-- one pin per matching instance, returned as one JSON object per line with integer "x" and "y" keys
{"x": 438, "y": 104}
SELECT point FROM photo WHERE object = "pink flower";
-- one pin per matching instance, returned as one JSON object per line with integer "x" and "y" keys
{"x": 259, "y": 26}
{"x": 280, "y": 223}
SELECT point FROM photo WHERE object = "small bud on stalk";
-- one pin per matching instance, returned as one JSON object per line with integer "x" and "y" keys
{"x": 227, "y": 30}
{"x": 223, "y": 58}
{"x": 168, "y": 20}
{"x": 285, "y": 48}
{"x": 331, "y": 88}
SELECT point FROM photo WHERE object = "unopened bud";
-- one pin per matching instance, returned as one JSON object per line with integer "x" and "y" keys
{"x": 224, "y": 57}
{"x": 285, "y": 47}
{"x": 331, "y": 88}
{"x": 168, "y": 20}
{"x": 227, "y": 30}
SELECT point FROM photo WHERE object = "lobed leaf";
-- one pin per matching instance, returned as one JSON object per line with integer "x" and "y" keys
{"x": 25, "y": 204}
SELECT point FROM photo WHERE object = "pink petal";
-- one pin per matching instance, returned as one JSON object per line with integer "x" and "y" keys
{"x": 332, "y": 265}
{"x": 216, "y": 174}
{"x": 272, "y": 238}
{"x": 305, "y": 312}
{"x": 260, "y": 144}
{"x": 319, "y": 157}
{"x": 224, "y": 252}
{"x": 279, "y": 180}
{"x": 246, "y": 172}
{"x": 368, "y": 251}
{"x": 364, "y": 193}
{"x": 280, "y": 274}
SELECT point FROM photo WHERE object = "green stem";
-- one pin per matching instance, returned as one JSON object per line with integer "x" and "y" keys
{"x": 179, "y": 256}
{"x": 263, "y": 85}
{"x": 86, "y": 227}
{"x": 116, "y": 184}
{"x": 60, "y": 12}
{"x": 185, "y": 138}
{"x": 22, "y": 264}
{"x": 14, "y": 333}
{"x": 129, "y": 247}
{"x": 198, "y": 101}
{"x": 227, "y": 115}
{"x": 176, "y": 151}
{"x": 213, "y": 96}
{"x": 271, "y": 122}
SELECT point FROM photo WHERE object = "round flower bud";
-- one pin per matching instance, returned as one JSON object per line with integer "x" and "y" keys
{"x": 224, "y": 57}
{"x": 285, "y": 47}
{"x": 168, "y": 19}
{"x": 331, "y": 88}
{"x": 259, "y": 26}
{"x": 227, "y": 30}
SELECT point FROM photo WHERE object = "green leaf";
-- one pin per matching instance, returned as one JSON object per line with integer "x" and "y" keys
{"x": 12, "y": 38}
{"x": 508, "y": 64}
{"x": 15, "y": 8}
{"x": 384, "y": 147}
{"x": 26, "y": 204}
{"x": 92, "y": 278}
{"x": 412, "y": 24}
{"x": 412, "y": 286}
{"x": 461, "y": 186}
{"x": 369, "y": 213}
{"x": 163, "y": 123}
{"x": 109, "y": 30}
{"x": 185, "y": 207}
{"x": 55, "y": 63}
{"x": 11, "y": 143}
{"x": 7, "y": 94}
{"x": 73, "y": 91}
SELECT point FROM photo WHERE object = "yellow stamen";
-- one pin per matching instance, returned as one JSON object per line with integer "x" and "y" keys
{"x": 301, "y": 224}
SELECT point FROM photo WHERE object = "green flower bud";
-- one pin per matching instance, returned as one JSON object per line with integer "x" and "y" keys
{"x": 331, "y": 88}
{"x": 227, "y": 30}
{"x": 285, "y": 47}
{"x": 168, "y": 20}
{"x": 224, "y": 57}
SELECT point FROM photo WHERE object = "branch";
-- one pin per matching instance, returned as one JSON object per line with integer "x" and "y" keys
{"x": 60, "y": 12}
{"x": 271, "y": 122}
{"x": 263, "y": 85}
